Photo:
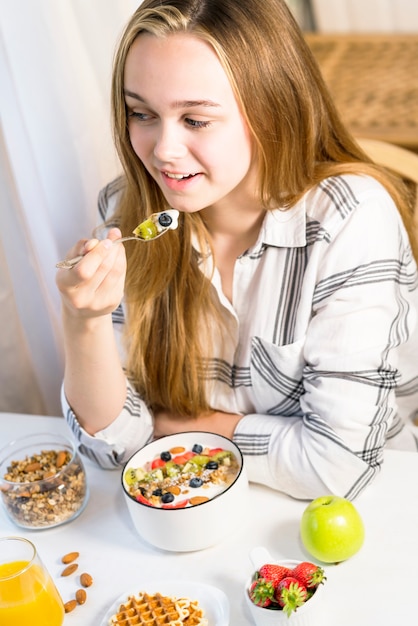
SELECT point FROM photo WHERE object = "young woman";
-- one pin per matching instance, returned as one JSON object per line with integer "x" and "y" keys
{"x": 281, "y": 312}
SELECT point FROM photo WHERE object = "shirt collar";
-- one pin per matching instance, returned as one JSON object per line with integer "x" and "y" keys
{"x": 280, "y": 228}
{"x": 284, "y": 228}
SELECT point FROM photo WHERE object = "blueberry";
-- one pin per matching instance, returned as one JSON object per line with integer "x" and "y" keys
{"x": 212, "y": 465}
{"x": 195, "y": 482}
{"x": 165, "y": 220}
{"x": 167, "y": 497}
{"x": 157, "y": 492}
{"x": 197, "y": 448}
{"x": 165, "y": 456}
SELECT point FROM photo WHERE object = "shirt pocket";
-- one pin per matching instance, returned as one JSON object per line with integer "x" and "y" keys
{"x": 276, "y": 373}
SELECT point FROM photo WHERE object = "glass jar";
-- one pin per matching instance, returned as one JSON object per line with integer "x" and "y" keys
{"x": 42, "y": 481}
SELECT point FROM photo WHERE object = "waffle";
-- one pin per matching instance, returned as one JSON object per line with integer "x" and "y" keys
{"x": 158, "y": 610}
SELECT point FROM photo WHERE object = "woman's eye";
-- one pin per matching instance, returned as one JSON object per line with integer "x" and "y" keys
{"x": 198, "y": 123}
{"x": 141, "y": 117}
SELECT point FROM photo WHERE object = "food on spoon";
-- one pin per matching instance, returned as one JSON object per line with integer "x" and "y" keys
{"x": 178, "y": 477}
{"x": 156, "y": 610}
{"x": 156, "y": 224}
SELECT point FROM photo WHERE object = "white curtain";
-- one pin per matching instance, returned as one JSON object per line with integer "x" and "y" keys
{"x": 367, "y": 16}
{"x": 56, "y": 153}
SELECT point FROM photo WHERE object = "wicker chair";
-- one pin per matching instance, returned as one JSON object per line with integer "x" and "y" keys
{"x": 400, "y": 160}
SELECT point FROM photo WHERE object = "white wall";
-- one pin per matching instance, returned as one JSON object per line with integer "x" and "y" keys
{"x": 366, "y": 15}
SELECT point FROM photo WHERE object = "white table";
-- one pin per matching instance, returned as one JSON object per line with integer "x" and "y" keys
{"x": 376, "y": 587}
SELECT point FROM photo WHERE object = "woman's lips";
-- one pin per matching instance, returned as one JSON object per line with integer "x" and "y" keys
{"x": 178, "y": 182}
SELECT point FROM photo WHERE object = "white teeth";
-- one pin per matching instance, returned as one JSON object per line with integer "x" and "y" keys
{"x": 178, "y": 176}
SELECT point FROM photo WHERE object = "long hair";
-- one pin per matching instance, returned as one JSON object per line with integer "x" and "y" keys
{"x": 298, "y": 140}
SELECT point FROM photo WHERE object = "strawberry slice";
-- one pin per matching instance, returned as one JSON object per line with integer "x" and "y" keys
{"x": 213, "y": 451}
{"x": 180, "y": 459}
{"x": 157, "y": 463}
{"x": 140, "y": 498}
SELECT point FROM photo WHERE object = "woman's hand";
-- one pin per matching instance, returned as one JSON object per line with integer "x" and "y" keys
{"x": 94, "y": 380}
{"x": 94, "y": 287}
{"x": 167, "y": 423}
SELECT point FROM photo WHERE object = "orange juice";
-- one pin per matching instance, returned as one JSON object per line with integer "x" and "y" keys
{"x": 28, "y": 596}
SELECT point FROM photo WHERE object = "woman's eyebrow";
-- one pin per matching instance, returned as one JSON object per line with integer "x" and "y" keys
{"x": 178, "y": 104}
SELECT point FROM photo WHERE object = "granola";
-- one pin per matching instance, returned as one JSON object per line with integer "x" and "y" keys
{"x": 44, "y": 489}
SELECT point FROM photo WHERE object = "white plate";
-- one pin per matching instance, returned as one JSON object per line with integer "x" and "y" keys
{"x": 212, "y": 600}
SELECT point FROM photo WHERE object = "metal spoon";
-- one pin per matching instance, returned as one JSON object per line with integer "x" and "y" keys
{"x": 153, "y": 227}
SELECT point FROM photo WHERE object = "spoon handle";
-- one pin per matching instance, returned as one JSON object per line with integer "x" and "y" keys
{"x": 68, "y": 264}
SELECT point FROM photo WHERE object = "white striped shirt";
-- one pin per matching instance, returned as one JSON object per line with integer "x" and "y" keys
{"x": 321, "y": 359}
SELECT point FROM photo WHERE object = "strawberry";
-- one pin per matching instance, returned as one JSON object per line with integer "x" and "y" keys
{"x": 273, "y": 572}
{"x": 157, "y": 463}
{"x": 214, "y": 451}
{"x": 290, "y": 594}
{"x": 140, "y": 498}
{"x": 261, "y": 592}
{"x": 309, "y": 574}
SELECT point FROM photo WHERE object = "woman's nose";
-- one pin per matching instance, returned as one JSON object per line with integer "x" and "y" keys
{"x": 169, "y": 144}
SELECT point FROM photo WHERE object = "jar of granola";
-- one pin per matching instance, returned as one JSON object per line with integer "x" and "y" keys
{"x": 42, "y": 481}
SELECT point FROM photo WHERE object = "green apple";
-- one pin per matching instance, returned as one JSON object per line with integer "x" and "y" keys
{"x": 331, "y": 529}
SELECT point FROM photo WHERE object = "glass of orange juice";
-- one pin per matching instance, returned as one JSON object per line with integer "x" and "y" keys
{"x": 27, "y": 592}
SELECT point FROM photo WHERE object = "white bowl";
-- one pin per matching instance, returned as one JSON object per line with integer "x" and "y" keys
{"x": 194, "y": 527}
{"x": 309, "y": 614}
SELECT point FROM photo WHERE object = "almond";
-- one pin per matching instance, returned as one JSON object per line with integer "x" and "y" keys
{"x": 198, "y": 500}
{"x": 70, "y": 557}
{"x": 174, "y": 489}
{"x": 80, "y": 596}
{"x": 70, "y": 569}
{"x": 86, "y": 580}
{"x": 32, "y": 467}
{"x": 70, "y": 606}
{"x": 177, "y": 450}
{"x": 61, "y": 458}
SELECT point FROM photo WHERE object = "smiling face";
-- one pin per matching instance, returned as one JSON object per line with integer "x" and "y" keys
{"x": 185, "y": 124}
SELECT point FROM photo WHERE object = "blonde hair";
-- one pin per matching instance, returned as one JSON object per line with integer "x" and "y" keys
{"x": 299, "y": 140}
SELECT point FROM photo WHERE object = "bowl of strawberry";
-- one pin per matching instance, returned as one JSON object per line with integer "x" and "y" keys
{"x": 286, "y": 592}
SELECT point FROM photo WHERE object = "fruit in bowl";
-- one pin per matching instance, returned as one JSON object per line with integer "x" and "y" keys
{"x": 186, "y": 491}
{"x": 331, "y": 529}
{"x": 286, "y": 592}
{"x": 179, "y": 477}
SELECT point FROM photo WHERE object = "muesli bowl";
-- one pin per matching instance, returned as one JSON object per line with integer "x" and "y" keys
{"x": 187, "y": 491}
{"x": 42, "y": 481}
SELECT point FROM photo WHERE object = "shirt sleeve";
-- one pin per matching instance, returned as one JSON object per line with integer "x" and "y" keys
{"x": 112, "y": 446}
{"x": 362, "y": 312}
